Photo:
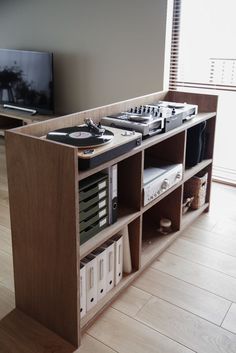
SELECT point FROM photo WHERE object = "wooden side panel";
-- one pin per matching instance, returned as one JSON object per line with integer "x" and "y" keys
{"x": 210, "y": 137}
{"x": 43, "y": 198}
{"x": 20, "y": 334}
{"x": 130, "y": 182}
{"x": 135, "y": 229}
{"x": 205, "y": 102}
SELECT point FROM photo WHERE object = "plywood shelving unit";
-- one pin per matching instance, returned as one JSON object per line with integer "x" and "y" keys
{"x": 43, "y": 190}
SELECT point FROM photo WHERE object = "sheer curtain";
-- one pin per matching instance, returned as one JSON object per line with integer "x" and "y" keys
{"x": 203, "y": 59}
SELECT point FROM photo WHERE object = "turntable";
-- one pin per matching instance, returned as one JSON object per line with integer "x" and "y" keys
{"x": 96, "y": 145}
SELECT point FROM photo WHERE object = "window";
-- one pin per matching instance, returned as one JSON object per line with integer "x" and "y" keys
{"x": 203, "y": 59}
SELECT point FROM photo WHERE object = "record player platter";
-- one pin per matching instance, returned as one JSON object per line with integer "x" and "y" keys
{"x": 80, "y": 136}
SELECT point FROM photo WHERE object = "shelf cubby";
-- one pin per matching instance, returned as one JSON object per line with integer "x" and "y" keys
{"x": 199, "y": 144}
{"x": 134, "y": 231}
{"x": 201, "y": 169}
{"x": 170, "y": 150}
{"x": 169, "y": 207}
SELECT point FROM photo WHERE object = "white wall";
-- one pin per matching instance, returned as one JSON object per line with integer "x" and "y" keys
{"x": 104, "y": 50}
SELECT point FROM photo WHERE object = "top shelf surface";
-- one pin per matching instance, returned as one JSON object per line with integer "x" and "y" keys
{"x": 207, "y": 106}
{"x": 149, "y": 142}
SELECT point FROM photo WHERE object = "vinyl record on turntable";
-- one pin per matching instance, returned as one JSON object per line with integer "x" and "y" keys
{"x": 80, "y": 136}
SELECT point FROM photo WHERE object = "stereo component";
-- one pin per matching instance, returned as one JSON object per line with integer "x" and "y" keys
{"x": 157, "y": 180}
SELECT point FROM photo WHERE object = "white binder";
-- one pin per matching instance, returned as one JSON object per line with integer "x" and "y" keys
{"x": 110, "y": 268}
{"x": 100, "y": 254}
{"x": 90, "y": 263}
{"x": 118, "y": 258}
{"x": 82, "y": 290}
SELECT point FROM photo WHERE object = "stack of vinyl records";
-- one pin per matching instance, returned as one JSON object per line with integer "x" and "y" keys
{"x": 93, "y": 205}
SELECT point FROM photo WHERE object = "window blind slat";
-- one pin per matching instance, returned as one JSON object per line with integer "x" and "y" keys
{"x": 174, "y": 54}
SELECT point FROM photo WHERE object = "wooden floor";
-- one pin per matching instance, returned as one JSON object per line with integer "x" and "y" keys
{"x": 185, "y": 302}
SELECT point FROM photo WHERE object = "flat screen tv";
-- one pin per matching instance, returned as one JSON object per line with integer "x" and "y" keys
{"x": 26, "y": 80}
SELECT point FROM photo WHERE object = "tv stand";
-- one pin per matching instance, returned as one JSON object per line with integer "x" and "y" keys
{"x": 20, "y": 109}
{"x": 11, "y": 118}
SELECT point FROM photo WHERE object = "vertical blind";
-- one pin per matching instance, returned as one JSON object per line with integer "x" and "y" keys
{"x": 203, "y": 52}
{"x": 174, "y": 53}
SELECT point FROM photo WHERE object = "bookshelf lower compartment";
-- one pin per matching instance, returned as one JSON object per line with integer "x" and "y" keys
{"x": 91, "y": 315}
{"x": 153, "y": 246}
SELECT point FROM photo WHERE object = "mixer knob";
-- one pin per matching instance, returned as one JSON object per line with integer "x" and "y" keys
{"x": 135, "y": 110}
{"x": 131, "y": 110}
{"x": 165, "y": 184}
{"x": 178, "y": 175}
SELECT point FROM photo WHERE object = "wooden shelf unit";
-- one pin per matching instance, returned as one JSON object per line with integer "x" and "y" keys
{"x": 44, "y": 180}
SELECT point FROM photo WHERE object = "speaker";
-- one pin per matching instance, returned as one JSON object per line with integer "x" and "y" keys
{"x": 196, "y": 142}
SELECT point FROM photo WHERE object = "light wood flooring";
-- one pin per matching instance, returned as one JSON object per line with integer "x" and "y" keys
{"x": 185, "y": 302}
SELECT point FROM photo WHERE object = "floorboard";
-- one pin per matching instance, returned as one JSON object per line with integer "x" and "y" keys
{"x": 198, "y": 275}
{"x": 131, "y": 301}
{"x": 186, "y": 328}
{"x": 184, "y": 295}
{"x": 229, "y": 322}
{"x": 225, "y": 244}
{"x": 127, "y": 335}
{"x": 204, "y": 256}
